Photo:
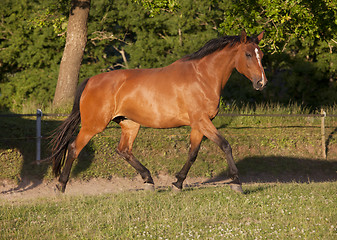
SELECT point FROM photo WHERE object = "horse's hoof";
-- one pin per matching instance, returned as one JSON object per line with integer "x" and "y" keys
{"x": 149, "y": 187}
{"x": 236, "y": 188}
{"x": 175, "y": 188}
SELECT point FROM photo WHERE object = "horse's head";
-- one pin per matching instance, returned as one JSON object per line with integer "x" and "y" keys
{"x": 248, "y": 60}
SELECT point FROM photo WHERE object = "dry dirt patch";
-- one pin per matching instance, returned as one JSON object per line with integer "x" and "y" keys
{"x": 30, "y": 189}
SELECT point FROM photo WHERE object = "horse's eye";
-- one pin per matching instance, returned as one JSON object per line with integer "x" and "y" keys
{"x": 248, "y": 55}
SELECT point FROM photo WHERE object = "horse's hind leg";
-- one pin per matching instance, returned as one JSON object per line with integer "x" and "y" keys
{"x": 195, "y": 141}
{"x": 129, "y": 133}
{"x": 74, "y": 150}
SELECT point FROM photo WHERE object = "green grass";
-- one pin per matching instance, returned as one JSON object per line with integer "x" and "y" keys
{"x": 266, "y": 211}
{"x": 266, "y": 150}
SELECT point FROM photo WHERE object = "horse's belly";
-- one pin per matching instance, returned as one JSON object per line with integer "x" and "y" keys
{"x": 155, "y": 118}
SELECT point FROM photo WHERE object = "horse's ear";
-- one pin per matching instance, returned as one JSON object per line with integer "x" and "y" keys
{"x": 260, "y": 36}
{"x": 243, "y": 37}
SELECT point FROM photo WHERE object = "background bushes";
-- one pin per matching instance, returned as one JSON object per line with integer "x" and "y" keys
{"x": 300, "y": 59}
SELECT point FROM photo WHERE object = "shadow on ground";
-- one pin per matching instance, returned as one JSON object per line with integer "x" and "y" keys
{"x": 268, "y": 169}
{"x": 18, "y": 152}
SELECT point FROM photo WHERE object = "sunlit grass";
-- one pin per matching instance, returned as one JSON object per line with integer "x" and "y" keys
{"x": 276, "y": 211}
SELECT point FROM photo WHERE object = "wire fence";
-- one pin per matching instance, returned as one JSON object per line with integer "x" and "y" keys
{"x": 39, "y": 115}
{"x": 219, "y": 115}
{"x": 34, "y": 115}
{"x": 275, "y": 115}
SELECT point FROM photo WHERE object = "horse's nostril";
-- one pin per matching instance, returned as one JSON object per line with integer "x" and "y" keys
{"x": 258, "y": 85}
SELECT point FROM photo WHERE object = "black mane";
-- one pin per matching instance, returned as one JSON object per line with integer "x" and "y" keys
{"x": 217, "y": 44}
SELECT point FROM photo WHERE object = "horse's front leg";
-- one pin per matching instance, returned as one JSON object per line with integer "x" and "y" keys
{"x": 195, "y": 141}
{"x": 209, "y": 130}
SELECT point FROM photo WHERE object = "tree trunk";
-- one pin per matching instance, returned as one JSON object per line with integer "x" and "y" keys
{"x": 73, "y": 52}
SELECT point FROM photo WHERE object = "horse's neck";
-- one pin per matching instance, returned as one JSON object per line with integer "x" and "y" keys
{"x": 217, "y": 67}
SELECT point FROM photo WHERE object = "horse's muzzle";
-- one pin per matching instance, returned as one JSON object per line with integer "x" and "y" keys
{"x": 259, "y": 84}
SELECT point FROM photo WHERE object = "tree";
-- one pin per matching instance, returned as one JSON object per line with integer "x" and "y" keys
{"x": 73, "y": 52}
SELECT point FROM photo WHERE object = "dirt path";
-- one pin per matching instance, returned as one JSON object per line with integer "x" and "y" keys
{"x": 32, "y": 190}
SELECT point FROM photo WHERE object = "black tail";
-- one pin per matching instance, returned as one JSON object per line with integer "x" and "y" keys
{"x": 64, "y": 133}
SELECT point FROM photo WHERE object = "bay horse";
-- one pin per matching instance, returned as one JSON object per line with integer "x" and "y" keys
{"x": 185, "y": 93}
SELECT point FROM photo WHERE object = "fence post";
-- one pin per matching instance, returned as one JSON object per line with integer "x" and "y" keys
{"x": 38, "y": 135}
{"x": 323, "y": 115}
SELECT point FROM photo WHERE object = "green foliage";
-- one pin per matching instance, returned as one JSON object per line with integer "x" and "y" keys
{"x": 156, "y": 6}
{"x": 24, "y": 45}
{"x": 159, "y": 40}
{"x": 29, "y": 86}
{"x": 302, "y": 21}
{"x": 30, "y": 50}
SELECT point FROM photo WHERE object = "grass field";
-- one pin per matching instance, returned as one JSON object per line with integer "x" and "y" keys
{"x": 290, "y": 191}
{"x": 266, "y": 211}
